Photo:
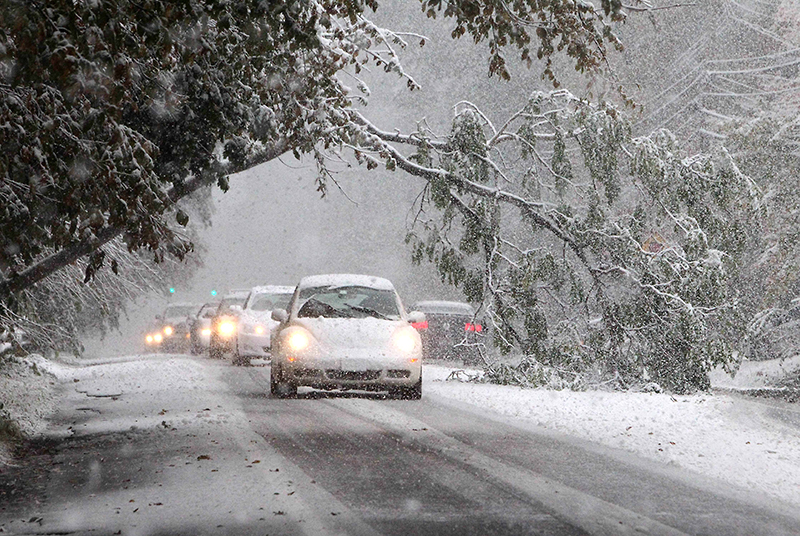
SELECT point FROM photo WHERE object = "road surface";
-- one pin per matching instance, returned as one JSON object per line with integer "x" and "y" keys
{"x": 204, "y": 450}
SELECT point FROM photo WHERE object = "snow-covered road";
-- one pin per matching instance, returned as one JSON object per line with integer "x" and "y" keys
{"x": 180, "y": 445}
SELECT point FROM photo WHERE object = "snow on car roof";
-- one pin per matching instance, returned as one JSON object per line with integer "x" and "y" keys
{"x": 273, "y": 289}
{"x": 434, "y": 306}
{"x": 237, "y": 293}
{"x": 346, "y": 280}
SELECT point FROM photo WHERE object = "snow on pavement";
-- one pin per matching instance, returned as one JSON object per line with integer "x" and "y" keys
{"x": 159, "y": 444}
{"x": 728, "y": 438}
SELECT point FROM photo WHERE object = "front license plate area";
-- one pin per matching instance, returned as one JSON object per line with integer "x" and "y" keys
{"x": 355, "y": 365}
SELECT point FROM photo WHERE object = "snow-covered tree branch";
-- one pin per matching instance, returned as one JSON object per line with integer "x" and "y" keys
{"x": 590, "y": 249}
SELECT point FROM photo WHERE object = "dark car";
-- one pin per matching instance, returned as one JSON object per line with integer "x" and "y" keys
{"x": 225, "y": 324}
{"x": 174, "y": 326}
{"x": 450, "y": 331}
{"x": 200, "y": 327}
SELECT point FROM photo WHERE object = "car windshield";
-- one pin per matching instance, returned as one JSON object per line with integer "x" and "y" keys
{"x": 177, "y": 311}
{"x": 226, "y": 303}
{"x": 269, "y": 301}
{"x": 347, "y": 302}
{"x": 207, "y": 311}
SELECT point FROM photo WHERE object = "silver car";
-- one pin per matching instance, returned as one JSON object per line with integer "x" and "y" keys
{"x": 255, "y": 321}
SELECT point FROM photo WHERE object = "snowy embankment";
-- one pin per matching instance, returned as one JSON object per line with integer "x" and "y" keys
{"x": 26, "y": 399}
{"x": 730, "y": 438}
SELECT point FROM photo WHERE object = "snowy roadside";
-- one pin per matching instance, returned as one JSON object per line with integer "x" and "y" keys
{"x": 729, "y": 438}
{"x": 27, "y": 398}
{"x": 757, "y": 374}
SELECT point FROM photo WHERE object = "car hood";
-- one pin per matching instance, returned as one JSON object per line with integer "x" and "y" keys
{"x": 351, "y": 333}
{"x": 256, "y": 316}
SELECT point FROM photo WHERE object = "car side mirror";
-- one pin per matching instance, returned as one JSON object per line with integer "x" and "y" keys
{"x": 279, "y": 315}
{"x": 416, "y": 317}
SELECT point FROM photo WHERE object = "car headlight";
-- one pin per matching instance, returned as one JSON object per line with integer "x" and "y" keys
{"x": 149, "y": 339}
{"x": 206, "y": 331}
{"x": 157, "y": 337}
{"x": 298, "y": 340}
{"x": 227, "y": 328}
{"x": 168, "y": 330}
{"x": 259, "y": 330}
{"x": 405, "y": 340}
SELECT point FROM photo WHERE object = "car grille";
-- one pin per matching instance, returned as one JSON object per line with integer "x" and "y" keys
{"x": 398, "y": 373}
{"x": 351, "y": 375}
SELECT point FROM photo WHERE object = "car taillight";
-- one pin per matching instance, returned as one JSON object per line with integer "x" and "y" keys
{"x": 473, "y": 327}
{"x": 419, "y": 325}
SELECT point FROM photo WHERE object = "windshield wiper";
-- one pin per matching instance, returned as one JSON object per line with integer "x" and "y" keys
{"x": 367, "y": 310}
{"x": 314, "y": 308}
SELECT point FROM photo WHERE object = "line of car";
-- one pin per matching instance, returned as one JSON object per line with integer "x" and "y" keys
{"x": 332, "y": 331}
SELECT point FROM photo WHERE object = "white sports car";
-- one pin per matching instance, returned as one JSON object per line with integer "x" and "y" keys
{"x": 346, "y": 332}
